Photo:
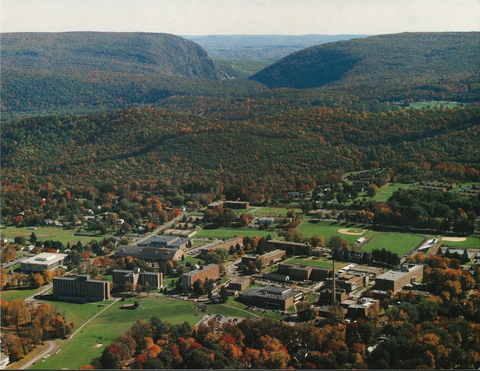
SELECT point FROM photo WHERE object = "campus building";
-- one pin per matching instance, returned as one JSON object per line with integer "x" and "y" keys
{"x": 292, "y": 248}
{"x": 299, "y": 272}
{"x": 362, "y": 308}
{"x": 42, "y": 262}
{"x": 211, "y": 271}
{"x": 149, "y": 254}
{"x": 397, "y": 278}
{"x": 135, "y": 277}
{"x": 229, "y": 205}
{"x": 221, "y": 245}
{"x": 80, "y": 289}
{"x": 265, "y": 258}
{"x": 272, "y": 297}
{"x": 167, "y": 242}
{"x": 239, "y": 284}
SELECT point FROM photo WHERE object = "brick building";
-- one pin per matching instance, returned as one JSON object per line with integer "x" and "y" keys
{"x": 304, "y": 272}
{"x": 221, "y": 245}
{"x": 135, "y": 277}
{"x": 266, "y": 258}
{"x": 292, "y": 248}
{"x": 228, "y": 205}
{"x": 211, "y": 271}
{"x": 397, "y": 278}
{"x": 80, "y": 289}
{"x": 349, "y": 282}
{"x": 239, "y": 284}
{"x": 167, "y": 242}
{"x": 363, "y": 308}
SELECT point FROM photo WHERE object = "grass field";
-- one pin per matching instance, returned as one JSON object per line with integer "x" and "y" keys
{"x": 434, "y": 104}
{"x": 10, "y": 295}
{"x": 399, "y": 243}
{"x": 471, "y": 241}
{"x": 385, "y": 192}
{"x": 328, "y": 229}
{"x": 80, "y": 350}
{"x": 232, "y": 232}
{"x": 275, "y": 211}
{"x": 49, "y": 233}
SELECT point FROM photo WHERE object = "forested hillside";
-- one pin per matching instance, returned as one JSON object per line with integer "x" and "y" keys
{"x": 82, "y": 71}
{"x": 438, "y": 60}
{"x": 146, "y": 144}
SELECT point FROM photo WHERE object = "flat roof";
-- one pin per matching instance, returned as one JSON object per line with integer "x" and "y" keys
{"x": 45, "y": 258}
{"x": 272, "y": 292}
{"x": 206, "y": 267}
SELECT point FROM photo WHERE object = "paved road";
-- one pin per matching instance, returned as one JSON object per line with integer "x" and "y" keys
{"x": 160, "y": 228}
{"x": 53, "y": 347}
{"x": 50, "y": 349}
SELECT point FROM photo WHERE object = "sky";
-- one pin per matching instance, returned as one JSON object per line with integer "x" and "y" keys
{"x": 247, "y": 17}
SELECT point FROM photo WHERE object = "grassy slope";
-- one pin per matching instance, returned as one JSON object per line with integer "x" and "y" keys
{"x": 399, "y": 243}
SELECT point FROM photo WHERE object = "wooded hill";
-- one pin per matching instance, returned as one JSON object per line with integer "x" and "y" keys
{"x": 408, "y": 58}
{"x": 85, "y": 72}
{"x": 81, "y": 71}
{"x": 146, "y": 144}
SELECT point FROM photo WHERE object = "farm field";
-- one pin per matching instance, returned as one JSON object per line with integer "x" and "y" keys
{"x": 399, "y": 243}
{"x": 49, "y": 233}
{"x": 328, "y": 229}
{"x": 434, "y": 104}
{"x": 232, "y": 232}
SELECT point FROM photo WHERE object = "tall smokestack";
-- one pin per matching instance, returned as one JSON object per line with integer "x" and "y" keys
{"x": 333, "y": 287}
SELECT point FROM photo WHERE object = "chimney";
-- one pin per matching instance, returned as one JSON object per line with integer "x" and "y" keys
{"x": 333, "y": 283}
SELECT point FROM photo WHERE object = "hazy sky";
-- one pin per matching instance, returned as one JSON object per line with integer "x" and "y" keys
{"x": 225, "y": 17}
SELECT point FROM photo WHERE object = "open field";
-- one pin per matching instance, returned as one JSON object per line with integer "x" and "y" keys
{"x": 385, "y": 192}
{"x": 316, "y": 262}
{"x": 470, "y": 241}
{"x": 10, "y": 295}
{"x": 49, "y": 233}
{"x": 434, "y": 104}
{"x": 232, "y": 232}
{"x": 328, "y": 229}
{"x": 83, "y": 348}
{"x": 399, "y": 243}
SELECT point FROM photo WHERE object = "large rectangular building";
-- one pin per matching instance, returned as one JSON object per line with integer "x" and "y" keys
{"x": 80, "y": 289}
{"x": 167, "y": 242}
{"x": 397, "y": 278}
{"x": 211, "y": 271}
{"x": 42, "y": 262}
{"x": 135, "y": 277}
{"x": 272, "y": 297}
{"x": 221, "y": 245}
{"x": 300, "y": 272}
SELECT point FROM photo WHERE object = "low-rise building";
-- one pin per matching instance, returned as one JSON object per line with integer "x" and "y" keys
{"x": 80, "y": 289}
{"x": 149, "y": 254}
{"x": 272, "y": 297}
{"x": 349, "y": 282}
{"x": 265, "y": 258}
{"x": 239, "y": 284}
{"x": 304, "y": 272}
{"x": 42, "y": 262}
{"x": 211, "y": 271}
{"x": 232, "y": 242}
{"x": 167, "y": 242}
{"x": 135, "y": 277}
{"x": 362, "y": 308}
{"x": 292, "y": 248}
{"x": 397, "y": 278}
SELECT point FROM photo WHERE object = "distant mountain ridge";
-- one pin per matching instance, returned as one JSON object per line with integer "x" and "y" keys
{"x": 105, "y": 51}
{"x": 407, "y": 57}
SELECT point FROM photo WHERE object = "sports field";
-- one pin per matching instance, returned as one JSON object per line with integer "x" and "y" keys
{"x": 470, "y": 241}
{"x": 399, "y": 243}
{"x": 328, "y": 229}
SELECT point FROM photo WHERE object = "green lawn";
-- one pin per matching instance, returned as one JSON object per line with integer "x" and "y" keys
{"x": 10, "y": 295}
{"x": 275, "y": 211}
{"x": 49, "y": 233}
{"x": 327, "y": 229}
{"x": 232, "y": 232}
{"x": 470, "y": 241}
{"x": 385, "y": 192}
{"x": 434, "y": 104}
{"x": 235, "y": 302}
{"x": 80, "y": 350}
{"x": 399, "y": 243}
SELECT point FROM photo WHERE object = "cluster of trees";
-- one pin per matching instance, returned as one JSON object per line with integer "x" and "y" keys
{"x": 422, "y": 209}
{"x": 16, "y": 280}
{"x": 32, "y": 325}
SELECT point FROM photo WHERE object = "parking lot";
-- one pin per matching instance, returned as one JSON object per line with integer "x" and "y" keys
{"x": 220, "y": 319}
